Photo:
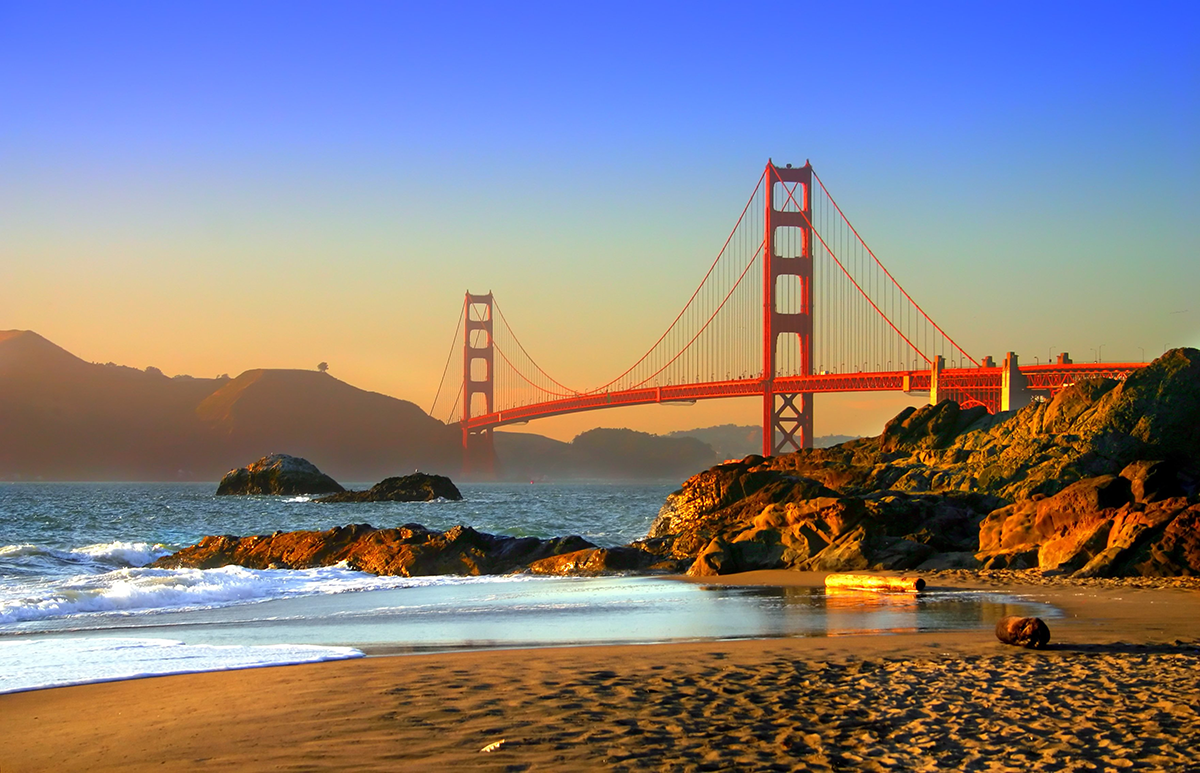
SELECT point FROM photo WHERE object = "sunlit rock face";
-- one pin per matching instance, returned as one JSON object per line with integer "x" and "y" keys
{"x": 598, "y": 561}
{"x": 410, "y": 551}
{"x": 1137, "y": 523}
{"x": 1100, "y": 480}
{"x": 278, "y": 474}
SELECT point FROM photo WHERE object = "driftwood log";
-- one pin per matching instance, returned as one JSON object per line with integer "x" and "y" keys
{"x": 874, "y": 582}
{"x": 1029, "y": 632}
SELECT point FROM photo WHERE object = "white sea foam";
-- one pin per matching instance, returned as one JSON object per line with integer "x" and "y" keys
{"x": 59, "y": 661}
{"x": 125, "y": 553}
{"x": 146, "y": 590}
{"x": 109, "y": 554}
{"x": 16, "y": 551}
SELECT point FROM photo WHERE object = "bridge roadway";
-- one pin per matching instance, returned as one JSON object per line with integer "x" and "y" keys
{"x": 971, "y": 386}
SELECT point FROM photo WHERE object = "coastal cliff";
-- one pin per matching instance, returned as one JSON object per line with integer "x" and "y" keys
{"x": 1101, "y": 480}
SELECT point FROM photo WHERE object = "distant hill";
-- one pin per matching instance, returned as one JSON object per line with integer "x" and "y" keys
{"x": 525, "y": 456}
{"x": 351, "y": 434}
{"x": 602, "y": 453}
{"x": 733, "y": 441}
{"x": 62, "y": 418}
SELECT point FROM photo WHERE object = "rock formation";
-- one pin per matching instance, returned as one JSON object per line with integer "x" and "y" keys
{"x": 744, "y": 516}
{"x": 418, "y": 487}
{"x": 1100, "y": 480}
{"x": 277, "y": 474}
{"x": 410, "y": 551}
{"x": 1137, "y": 523}
{"x": 595, "y": 561}
{"x": 1096, "y": 427}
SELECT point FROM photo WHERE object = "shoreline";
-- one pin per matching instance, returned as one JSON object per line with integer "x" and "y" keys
{"x": 1115, "y": 689}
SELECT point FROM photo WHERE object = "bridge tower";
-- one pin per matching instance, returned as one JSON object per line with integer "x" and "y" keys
{"x": 787, "y": 259}
{"x": 479, "y": 453}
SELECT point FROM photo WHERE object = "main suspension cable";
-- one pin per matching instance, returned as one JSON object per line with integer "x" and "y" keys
{"x": 870, "y": 252}
{"x": 449, "y": 357}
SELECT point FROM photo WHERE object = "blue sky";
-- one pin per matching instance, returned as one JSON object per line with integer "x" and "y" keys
{"x": 175, "y": 177}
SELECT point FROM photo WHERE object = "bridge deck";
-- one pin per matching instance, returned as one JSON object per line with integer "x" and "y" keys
{"x": 965, "y": 381}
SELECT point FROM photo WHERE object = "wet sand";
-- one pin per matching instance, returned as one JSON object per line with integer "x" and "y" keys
{"x": 1118, "y": 689}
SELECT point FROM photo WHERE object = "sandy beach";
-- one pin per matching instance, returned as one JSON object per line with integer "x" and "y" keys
{"x": 1118, "y": 689}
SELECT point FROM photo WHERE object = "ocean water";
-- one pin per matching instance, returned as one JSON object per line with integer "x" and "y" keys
{"x": 79, "y": 603}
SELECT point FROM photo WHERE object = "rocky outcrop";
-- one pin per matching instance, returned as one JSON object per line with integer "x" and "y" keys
{"x": 717, "y": 500}
{"x": 1095, "y": 427}
{"x": 409, "y": 551}
{"x": 1107, "y": 526}
{"x": 1100, "y": 480}
{"x": 745, "y": 515}
{"x": 418, "y": 487}
{"x": 797, "y": 523}
{"x": 277, "y": 474}
{"x": 597, "y": 561}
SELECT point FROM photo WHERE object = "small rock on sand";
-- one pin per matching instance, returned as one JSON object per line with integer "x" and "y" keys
{"x": 1029, "y": 632}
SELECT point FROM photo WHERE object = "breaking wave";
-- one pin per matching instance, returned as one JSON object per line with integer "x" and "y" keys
{"x": 139, "y": 590}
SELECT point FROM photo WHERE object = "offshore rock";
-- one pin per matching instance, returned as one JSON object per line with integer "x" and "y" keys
{"x": 1101, "y": 480}
{"x": 278, "y": 474}
{"x": 410, "y": 551}
{"x": 418, "y": 487}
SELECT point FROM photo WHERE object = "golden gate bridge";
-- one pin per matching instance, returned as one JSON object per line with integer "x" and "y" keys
{"x": 795, "y": 304}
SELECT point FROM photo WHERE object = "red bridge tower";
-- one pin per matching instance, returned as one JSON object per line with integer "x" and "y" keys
{"x": 787, "y": 258}
{"x": 479, "y": 368}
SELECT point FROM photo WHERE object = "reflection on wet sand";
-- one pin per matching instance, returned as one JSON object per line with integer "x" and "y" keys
{"x": 846, "y": 612}
{"x": 895, "y": 612}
